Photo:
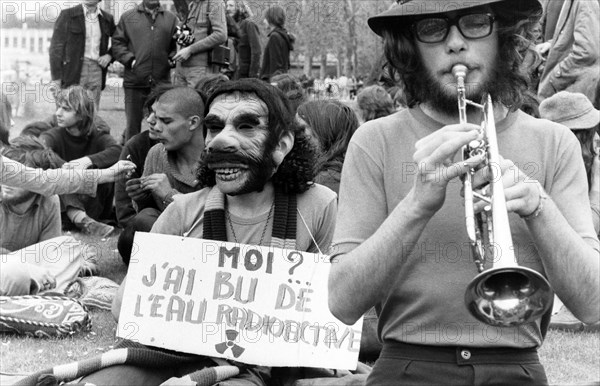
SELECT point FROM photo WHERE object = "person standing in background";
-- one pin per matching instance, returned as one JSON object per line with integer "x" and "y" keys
{"x": 144, "y": 44}
{"x": 79, "y": 49}
{"x": 206, "y": 22}
{"x": 276, "y": 58}
{"x": 248, "y": 47}
{"x": 573, "y": 51}
{"x": 550, "y": 17}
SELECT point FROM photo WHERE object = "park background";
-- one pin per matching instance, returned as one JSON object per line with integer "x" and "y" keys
{"x": 332, "y": 39}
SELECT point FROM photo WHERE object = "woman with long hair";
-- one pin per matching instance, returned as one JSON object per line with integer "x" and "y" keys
{"x": 331, "y": 124}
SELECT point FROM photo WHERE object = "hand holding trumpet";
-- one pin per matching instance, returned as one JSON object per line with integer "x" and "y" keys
{"x": 520, "y": 191}
{"x": 436, "y": 167}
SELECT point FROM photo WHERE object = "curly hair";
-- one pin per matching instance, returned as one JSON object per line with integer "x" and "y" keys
{"x": 514, "y": 29}
{"x": 297, "y": 171}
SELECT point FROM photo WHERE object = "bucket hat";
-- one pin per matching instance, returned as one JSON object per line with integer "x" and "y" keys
{"x": 571, "y": 109}
{"x": 406, "y": 9}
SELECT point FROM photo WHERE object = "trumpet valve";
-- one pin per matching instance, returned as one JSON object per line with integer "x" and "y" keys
{"x": 475, "y": 144}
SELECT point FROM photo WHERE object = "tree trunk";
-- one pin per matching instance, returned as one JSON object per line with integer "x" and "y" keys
{"x": 350, "y": 62}
{"x": 323, "y": 70}
{"x": 308, "y": 64}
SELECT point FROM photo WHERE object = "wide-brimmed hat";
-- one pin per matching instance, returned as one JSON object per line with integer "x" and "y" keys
{"x": 406, "y": 9}
{"x": 571, "y": 109}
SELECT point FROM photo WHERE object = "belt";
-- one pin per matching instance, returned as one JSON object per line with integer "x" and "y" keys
{"x": 459, "y": 355}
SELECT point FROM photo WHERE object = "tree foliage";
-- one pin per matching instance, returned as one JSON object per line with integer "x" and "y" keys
{"x": 337, "y": 29}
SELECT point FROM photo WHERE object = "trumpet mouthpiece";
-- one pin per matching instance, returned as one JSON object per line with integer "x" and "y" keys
{"x": 459, "y": 71}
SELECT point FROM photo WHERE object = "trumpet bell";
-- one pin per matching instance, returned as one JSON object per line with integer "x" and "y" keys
{"x": 508, "y": 296}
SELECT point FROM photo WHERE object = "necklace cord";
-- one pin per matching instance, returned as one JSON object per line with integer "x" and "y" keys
{"x": 262, "y": 236}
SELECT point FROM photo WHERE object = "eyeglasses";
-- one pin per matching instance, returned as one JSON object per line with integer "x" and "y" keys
{"x": 436, "y": 29}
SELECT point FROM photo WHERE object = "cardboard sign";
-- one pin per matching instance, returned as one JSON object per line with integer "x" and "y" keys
{"x": 256, "y": 305}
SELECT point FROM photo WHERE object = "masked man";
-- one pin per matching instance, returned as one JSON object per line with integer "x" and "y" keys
{"x": 257, "y": 167}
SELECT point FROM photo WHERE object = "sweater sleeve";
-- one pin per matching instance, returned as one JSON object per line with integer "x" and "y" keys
{"x": 51, "y": 226}
{"x": 569, "y": 189}
{"x": 151, "y": 166}
{"x": 110, "y": 154}
{"x": 218, "y": 34}
{"x": 48, "y": 182}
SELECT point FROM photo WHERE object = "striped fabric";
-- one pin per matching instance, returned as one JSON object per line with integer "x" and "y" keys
{"x": 284, "y": 219}
{"x": 130, "y": 353}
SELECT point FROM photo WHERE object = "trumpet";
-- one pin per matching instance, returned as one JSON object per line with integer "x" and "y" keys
{"x": 505, "y": 294}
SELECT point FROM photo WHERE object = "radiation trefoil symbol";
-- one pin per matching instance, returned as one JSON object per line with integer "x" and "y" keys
{"x": 229, "y": 343}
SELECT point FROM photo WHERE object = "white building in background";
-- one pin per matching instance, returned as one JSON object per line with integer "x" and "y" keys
{"x": 24, "y": 45}
{"x": 24, "y": 52}
{"x": 32, "y": 44}
{"x": 32, "y": 41}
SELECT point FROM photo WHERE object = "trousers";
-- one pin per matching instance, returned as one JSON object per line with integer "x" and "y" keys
{"x": 408, "y": 364}
{"x": 61, "y": 257}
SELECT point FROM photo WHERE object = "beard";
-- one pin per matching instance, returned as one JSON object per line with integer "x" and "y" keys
{"x": 260, "y": 168}
{"x": 443, "y": 97}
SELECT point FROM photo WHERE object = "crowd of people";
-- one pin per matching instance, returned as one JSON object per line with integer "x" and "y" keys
{"x": 243, "y": 153}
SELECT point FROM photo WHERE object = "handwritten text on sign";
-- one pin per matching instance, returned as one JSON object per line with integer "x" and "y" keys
{"x": 257, "y": 305}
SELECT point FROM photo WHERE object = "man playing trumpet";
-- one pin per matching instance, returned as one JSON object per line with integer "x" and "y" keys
{"x": 405, "y": 248}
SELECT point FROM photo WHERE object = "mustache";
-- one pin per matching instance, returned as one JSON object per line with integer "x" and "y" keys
{"x": 217, "y": 156}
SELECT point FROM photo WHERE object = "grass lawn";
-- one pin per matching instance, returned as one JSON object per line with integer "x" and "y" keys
{"x": 569, "y": 358}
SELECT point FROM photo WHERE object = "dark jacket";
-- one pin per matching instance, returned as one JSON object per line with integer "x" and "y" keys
{"x": 276, "y": 58}
{"x": 68, "y": 44}
{"x": 249, "y": 50}
{"x": 149, "y": 42}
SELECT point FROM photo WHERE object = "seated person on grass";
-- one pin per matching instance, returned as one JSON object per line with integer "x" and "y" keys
{"x": 135, "y": 150}
{"x": 77, "y": 141}
{"x": 257, "y": 169}
{"x": 35, "y": 255}
{"x": 170, "y": 166}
